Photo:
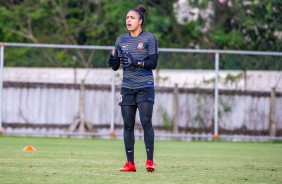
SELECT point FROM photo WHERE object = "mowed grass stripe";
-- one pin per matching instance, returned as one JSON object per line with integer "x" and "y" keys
{"x": 65, "y": 160}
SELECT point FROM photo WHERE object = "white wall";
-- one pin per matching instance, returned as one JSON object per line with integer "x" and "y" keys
{"x": 50, "y": 105}
{"x": 254, "y": 80}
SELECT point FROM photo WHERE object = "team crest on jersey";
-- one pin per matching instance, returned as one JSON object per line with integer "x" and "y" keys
{"x": 140, "y": 46}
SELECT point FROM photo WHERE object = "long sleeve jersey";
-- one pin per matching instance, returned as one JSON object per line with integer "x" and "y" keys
{"x": 143, "y": 47}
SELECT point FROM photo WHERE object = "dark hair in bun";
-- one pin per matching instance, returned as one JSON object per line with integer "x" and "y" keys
{"x": 141, "y": 11}
{"x": 142, "y": 8}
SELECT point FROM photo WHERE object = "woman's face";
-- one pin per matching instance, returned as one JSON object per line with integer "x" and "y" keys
{"x": 133, "y": 21}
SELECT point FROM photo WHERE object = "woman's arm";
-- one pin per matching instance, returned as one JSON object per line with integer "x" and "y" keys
{"x": 151, "y": 61}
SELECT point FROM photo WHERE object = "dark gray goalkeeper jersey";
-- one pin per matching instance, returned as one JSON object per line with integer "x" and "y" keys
{"x": 139, "y": 47}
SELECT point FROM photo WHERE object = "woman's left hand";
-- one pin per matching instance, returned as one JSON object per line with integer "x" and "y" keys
{"x": 128, "y": 60}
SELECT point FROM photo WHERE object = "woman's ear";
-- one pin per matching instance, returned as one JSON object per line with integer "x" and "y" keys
{"x": 140, "y": 21}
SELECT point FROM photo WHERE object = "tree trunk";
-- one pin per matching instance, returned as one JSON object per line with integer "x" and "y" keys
{"x": 175, "y": 109}
{"x": 272, "y": 125}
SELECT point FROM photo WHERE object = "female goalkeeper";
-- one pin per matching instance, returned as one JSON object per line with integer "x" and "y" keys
{"x": 137, "y": 53}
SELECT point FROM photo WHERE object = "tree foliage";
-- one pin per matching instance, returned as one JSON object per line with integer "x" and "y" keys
{"x": 235, "y": 25}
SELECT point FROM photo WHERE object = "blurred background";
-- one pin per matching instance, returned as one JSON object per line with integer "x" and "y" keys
{"x": 58, "y": 91}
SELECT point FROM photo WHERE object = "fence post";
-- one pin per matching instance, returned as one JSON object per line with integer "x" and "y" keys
{"x": 1, "y": 83}
{"x": 272, "y": 126}
{"x": 215, "y": 135}
{"x": 157, "y": 77}
{"x": 112, "y": 133}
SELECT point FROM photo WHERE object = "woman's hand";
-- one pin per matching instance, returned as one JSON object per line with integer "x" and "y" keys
{"x": 128, "y": 60}
{"x": 113, "y": 59}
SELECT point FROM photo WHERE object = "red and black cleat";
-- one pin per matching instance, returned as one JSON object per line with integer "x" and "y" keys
{"x": 128, "y": 167}
{"x": 150, "y": 166}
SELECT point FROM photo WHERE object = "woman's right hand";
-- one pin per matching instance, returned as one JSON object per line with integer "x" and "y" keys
{"x": 113, "y": 59}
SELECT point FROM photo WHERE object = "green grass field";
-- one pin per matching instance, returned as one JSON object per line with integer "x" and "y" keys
{"x": 81, "y": 161}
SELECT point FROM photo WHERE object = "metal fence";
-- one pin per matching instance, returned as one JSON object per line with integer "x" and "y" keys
{"x": 216, "y": 53}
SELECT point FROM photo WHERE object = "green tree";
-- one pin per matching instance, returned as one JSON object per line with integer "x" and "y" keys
{"x": 236, "y": 25}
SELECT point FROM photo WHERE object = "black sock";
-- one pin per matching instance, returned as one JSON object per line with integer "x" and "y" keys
{"x": 150, "y": 153}
{"x": 130, "y": 155}
{"x": 128, "y": 115}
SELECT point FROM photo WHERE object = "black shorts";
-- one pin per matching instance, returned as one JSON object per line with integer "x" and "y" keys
{"x": 134, "y": 96}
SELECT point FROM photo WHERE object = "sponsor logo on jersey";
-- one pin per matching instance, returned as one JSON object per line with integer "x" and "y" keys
{"x": 140, "y": 46}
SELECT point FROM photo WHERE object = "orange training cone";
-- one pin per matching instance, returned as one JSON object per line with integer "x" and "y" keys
{"x": 29, "y": 148}
{"x": 215, "y": 137}
{"x": 112, "y": 135}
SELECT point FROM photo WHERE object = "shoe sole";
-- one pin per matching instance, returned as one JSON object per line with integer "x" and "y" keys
{"x": 150, "y": 169}
{"x": 127, "y": 171}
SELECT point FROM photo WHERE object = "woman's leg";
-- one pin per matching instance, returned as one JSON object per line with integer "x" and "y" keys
{"x": 128, "y": 114}
{"x": 145, "y": 112}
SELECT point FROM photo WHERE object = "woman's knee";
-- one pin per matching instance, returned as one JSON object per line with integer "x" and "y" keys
{"x": 128, "y": 127}
{"x": 146, "y": 122}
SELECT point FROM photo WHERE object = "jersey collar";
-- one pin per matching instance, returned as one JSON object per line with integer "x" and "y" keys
{"x": 137, "y": 35}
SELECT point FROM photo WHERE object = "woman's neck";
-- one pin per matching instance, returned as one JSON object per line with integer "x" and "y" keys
{"x": 136, "y": 32}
